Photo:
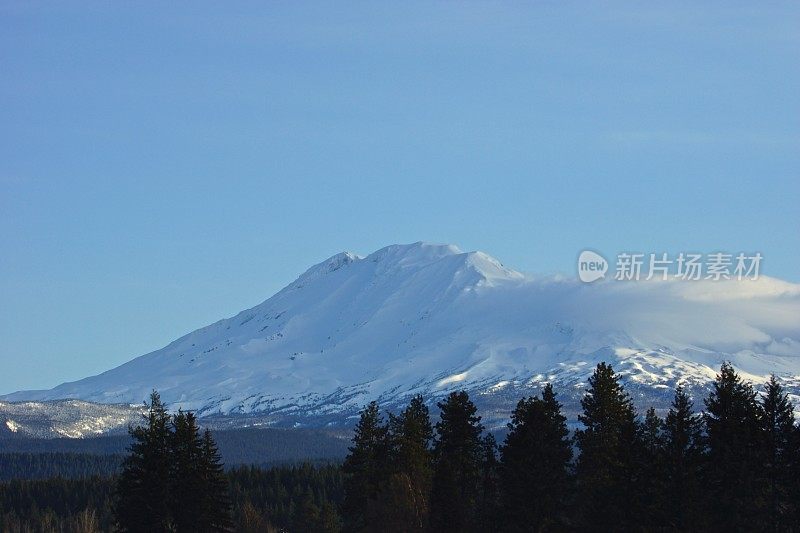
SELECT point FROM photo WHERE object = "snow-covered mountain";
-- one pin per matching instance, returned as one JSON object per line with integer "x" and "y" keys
{"x": 425, "y": 318}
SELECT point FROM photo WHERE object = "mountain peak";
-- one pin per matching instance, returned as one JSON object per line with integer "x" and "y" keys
{"x": 331, "y": 264}
{"x": 414, "y": 253}
{"x": 420, "y": 254}
{"x": 469, "y": 267}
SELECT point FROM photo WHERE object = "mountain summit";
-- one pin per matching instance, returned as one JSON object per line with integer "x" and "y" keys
{"x": 427, "y": 318}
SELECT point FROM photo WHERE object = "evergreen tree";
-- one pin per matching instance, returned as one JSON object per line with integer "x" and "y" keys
{"x": 187, "y": 490}
{"x": 142, "y": 494}
{"x": 173, "y": 479}
{"x": 216, "y": 514}
{"x": 411, "y": 436}
{"x": 489, "y": 502}
{"x": 649, "y": 506}
{"x": 734, "y": 476}
{"x": 683, "y": 460}
{"x": 199, "y": 494}
{"x": 606, "y": 465}
{"x": 330, "y": 521}
{"x": 405, "y": 499}
{"x": 535, "y": 460}
{"x": 794, "y": 473}
{"x": 366, "y": 469}
{"x": 780, "y": 452}
{"x": 458, "y": 458}
{"x": 307, "y": 517}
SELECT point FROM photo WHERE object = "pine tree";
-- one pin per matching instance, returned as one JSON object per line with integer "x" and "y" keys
{"x": 734, "y": 476}
{"x": 307, "y": 517}
{"x": 406, "y": 497}
{"x": 142, "y": 493}
{"x": 411, "y": 436}
{"x": 606, "y": 466}
{"x": 216, "y": 515}
{"x": 457, "y": 454}
{"x": 683, "y": 460}
{"x": 780, "y": 452}
{"x": 489, "y": 501}
{"x": 329, "y": 521}
{"x": 649, "y": 506}
{"x": 535, "y": 460}
{"x": 187, "y": 491}
{"x": 794, "y": 473}
{"x": 366, "y": 470}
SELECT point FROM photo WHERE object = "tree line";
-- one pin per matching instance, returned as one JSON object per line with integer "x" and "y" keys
{"x": 26, "y": 465}
{"x": 734, "y": 467}
{"x": 302, "y": 497}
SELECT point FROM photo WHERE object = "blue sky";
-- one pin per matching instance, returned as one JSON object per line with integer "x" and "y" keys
{"x": 166, "y": 165}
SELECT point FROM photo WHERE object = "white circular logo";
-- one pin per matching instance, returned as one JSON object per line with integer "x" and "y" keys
{"x": 591, "y": 266}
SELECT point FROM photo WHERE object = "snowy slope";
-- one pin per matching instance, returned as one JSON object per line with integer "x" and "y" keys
{"x": 429, "y": 318}
{"x": 65, "y": 418}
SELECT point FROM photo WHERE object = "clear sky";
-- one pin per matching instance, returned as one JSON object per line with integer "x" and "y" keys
{"x": 165, "y": 165}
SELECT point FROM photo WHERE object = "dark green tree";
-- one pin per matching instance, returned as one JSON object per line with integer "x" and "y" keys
{"x": 406, "y": 496}
{"x": 794, "y": 472}
{"x": 187, "y": 490}
{"x": 142, "y": 496}
{"x": 173, "y": 479}
{"x": 200, "y": 501}
{"x": 780, "y": 452}
{"x": 307, "y": 517}
{"x": 458, "y": 460}
{"x": 735, "y": 480}
{"x": 366, "y": 471}
{"x": 606, "y": 465}
{"x": 489, "y": 501}
{"x": 649, "y": 505}
{"x": 330, "y": 522}
{"x": 535, "y": 457}
{"x": 683, "y": 462}
{"x": 216, "y": 514}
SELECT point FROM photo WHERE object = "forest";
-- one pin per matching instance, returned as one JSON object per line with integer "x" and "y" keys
{"x": 731, "y": 464}
{"x": 69, "y": 457}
